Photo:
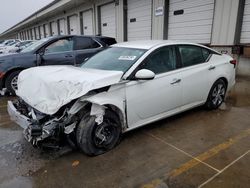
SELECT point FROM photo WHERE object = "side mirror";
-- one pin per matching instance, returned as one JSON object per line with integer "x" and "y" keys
{"x": 144, "y": 74}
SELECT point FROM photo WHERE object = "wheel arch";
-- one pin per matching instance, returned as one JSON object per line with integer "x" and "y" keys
{"x": 112, "y": 107}
{"x": 11, "y": 71}
{"x": 224, "y": 80}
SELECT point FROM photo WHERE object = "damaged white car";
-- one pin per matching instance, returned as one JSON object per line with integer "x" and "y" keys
{"x": 119, "y": 89}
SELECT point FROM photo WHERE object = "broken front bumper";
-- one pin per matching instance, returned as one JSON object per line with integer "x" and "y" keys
{"x": 17, "y": 117}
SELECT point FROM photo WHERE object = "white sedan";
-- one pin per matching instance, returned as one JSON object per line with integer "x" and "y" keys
{"x": 121, "y": 88}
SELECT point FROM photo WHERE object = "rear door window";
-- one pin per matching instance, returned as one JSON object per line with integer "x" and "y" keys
{"x": 82, "y": 43}
{"x": 191, "y": 55}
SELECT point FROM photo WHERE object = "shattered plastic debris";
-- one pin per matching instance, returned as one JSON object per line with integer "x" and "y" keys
{"x": 75, "y": 163}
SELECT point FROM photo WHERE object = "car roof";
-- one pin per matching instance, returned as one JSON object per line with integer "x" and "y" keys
{"x": 148, "y": 44}
{"x": 63, "y": 36}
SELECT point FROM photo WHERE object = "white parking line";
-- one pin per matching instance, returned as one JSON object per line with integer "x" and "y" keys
{"x": 194, "y": 158}
{"x": 214, "y": 176}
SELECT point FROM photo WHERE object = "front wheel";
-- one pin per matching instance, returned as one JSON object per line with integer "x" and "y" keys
{"x": 216, "y": 95}
{"x": 11, "y": 82}
{"x": 94, "y": 139}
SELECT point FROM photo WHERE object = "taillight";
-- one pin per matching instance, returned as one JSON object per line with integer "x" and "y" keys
{"x": 233, "y": 62}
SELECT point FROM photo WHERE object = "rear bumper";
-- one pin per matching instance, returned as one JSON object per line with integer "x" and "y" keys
{"x": 17, "y": 117}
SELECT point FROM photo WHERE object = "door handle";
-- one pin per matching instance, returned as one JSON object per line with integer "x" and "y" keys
{"x": 68, "y": 56}
{"x": 175, "y": 81}
{"x": 211, "y": 68}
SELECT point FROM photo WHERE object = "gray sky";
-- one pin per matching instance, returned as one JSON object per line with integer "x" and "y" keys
{"x": 14, "y": 11}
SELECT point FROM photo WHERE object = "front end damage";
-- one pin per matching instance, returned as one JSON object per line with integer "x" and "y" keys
{"x": 44, "y": 130}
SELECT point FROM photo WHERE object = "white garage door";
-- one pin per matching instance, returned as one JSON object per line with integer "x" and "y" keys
{"x": 47, "y": 32}
{"x": 41, "y": 31}
{"x": 54, "y": 30}
{"x": 37, "y": 33}
{"x": 73, "y": 25}
{"x": 62, "y": 27}
{"x": 87, "y": 22}
{"x": 191, "y": 20}
{"x": 108, "y": 20}
{"x": 139, "y": 21}
{"x": 33, "y": 34}
{"x": 245, "y": 31}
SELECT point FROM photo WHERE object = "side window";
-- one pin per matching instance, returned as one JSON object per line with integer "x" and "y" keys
{"x": 85, "y": 43}
{"x": 61, "y": 45}
{"x": 94, "y": 44}
{"x": 191, "y": 55}
{"x": 161, "y": 60}
{"x": 205, "y": 53}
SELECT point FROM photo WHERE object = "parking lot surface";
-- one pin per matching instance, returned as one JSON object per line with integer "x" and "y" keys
{"x": 197, "y": 148}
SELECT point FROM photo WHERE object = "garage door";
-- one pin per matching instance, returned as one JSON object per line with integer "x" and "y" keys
{"x": 245, "y": 31}
{"x": 87, "y": 22}
{"x": 73, "y": 25}
{"x": 41, "y": 32}
{"x": 33, "y": 34}
{"x": 54, "y": 30}
{"x": 108, "y": 20}
{"x": 28, "y": 34}
{"x": 139, "y": 19}
{"x": 191, "y": 20}
{"x": 47, "y": 32}
{"x": 62, "y": 27}
{"x": 37, "y": 33}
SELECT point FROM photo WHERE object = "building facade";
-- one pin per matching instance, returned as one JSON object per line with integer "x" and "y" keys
{"x": 220, "y": 24}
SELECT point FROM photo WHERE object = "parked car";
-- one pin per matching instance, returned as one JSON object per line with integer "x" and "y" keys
{"x": 119, "y": 89}
{"x": 16, "y": 48}
{"x": 58, "y": 50}
{"x": 8, "y": 42}
{"x": 13, "y": 47}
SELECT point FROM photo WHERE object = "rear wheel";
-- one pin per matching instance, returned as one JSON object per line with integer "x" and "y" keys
{"x": 11, "y": 82}
{"x": 216, "y": 95}
{"x": 94, "y": 139}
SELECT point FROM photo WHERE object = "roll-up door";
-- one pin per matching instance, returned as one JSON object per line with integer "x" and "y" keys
{"x": 41, "y": 31}
{"x": 245, "y": 31}
{"x": 62, "y": 27}
{"x": 27, "y": 34}
{"x": 87, "y": 22}
{"x": 54, "y": 30}
{"x": 191, "y": 20}
{"x": 33, "y": 34}
{"x": 73, "y": 25}
{"x": 47, "y": 32}
{"x": 139, "y": 22}
{"x": 108, "y": 20}
{"x": 37, "y": 33}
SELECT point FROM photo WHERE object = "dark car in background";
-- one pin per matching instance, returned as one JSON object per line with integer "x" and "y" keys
{"x": 57, "y": 50}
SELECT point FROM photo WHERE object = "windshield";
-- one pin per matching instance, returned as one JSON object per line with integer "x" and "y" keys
{"x": 34, "y": 45}
{"x": 120, "y": 59}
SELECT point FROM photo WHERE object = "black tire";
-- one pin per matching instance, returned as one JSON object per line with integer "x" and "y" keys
{"x": 216, "y": 95}
{"x": 9, "y": 82}
{"x": 87, "y": 129}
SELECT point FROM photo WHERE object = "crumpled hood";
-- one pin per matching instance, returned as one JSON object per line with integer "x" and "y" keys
{"x": 48, "y": 88}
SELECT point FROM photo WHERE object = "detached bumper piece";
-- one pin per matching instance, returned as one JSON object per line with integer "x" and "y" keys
{"x": 17, "y": 117}
{"x": 39, "y": 129}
